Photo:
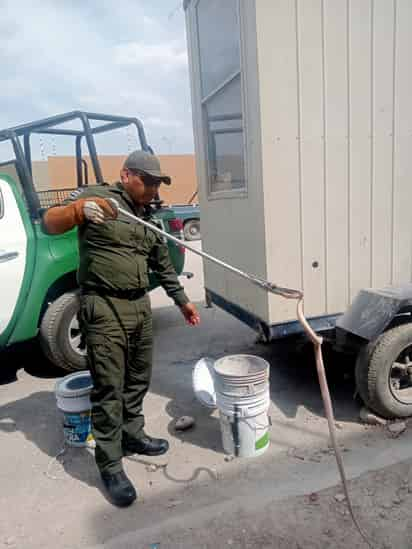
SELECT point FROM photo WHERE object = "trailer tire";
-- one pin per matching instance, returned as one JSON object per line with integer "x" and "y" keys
{"x": 373, "y": 372}
{"x": 191, "y": 229}
{"x": 55, "y": 335}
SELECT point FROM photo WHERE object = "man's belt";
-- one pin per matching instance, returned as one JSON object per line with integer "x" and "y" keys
{"x": 130, "y": 295}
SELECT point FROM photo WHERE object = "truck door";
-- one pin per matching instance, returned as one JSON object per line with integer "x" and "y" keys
{"x": 13, "y": 251}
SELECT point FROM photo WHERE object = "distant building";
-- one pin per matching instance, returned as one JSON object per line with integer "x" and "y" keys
{"x": 59, "y": 172}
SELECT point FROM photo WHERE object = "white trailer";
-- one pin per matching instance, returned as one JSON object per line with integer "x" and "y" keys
{"x": 302, "y": 113}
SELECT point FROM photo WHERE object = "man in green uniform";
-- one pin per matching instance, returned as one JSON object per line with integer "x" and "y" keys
{"x": 115, "y": 313}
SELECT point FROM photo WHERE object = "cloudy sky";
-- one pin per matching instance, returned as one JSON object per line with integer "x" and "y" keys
{"x": 123, "y": 57}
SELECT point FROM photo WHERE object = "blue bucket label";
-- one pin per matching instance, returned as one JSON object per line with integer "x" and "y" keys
{"x": 77, "y": 428}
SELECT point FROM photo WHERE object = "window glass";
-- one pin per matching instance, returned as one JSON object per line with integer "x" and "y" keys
{"x": 225, "y": 139}
{"x": 219, "y": 35}
{"x": 218, "y": 28}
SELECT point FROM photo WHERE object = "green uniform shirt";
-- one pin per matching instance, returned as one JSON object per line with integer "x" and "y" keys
{"x": 117, "y": 255}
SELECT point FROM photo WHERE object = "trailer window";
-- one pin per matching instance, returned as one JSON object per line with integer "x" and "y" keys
{"x": 221, "y": 90}
{"x": 218, "y": 42}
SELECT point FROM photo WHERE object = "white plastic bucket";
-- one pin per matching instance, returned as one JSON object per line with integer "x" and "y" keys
{"x": 246, "y": 407}
{"x": 243, "y": 399}
{"x": 73, "y": 399}
{"x": 241, "y": 375}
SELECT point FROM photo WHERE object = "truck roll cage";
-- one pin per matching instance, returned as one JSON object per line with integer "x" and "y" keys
{"x": 22, "y": 151}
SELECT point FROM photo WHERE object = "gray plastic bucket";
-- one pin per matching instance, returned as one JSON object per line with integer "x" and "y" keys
{"x": 73, "y": 399}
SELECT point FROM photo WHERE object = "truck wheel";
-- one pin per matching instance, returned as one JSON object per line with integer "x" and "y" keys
{"x": 191, "y": 230}
{"x": 60, "y": 334}
{"x": 384, "y": 373}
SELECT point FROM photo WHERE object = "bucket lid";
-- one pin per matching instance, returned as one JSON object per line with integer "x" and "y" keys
{"x": 250, "y": 366}
{"x": 203, "y": 382}
{"x": 74, "y": 385}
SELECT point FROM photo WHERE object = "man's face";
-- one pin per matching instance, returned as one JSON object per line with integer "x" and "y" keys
{"x": 141, "y": 187}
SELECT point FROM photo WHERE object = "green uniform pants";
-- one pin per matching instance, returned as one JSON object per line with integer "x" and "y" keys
{"x": 119, "y": 338}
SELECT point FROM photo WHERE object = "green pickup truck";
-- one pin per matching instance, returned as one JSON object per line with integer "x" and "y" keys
{"x": 38, "y": 287}
{"x": 189, "y": 215}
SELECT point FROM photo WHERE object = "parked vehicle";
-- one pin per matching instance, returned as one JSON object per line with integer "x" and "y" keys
{"x": 38, "y": 287}
{"x": 189, "y": 215}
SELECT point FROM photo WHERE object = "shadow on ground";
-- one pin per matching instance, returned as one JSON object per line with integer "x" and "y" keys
{"x": 293, "y": 379}
{"x": 36, "y": 416}
{"x": 29, "y": 357}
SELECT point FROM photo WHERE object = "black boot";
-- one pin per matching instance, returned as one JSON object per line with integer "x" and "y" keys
{"x": 145, "y": 445}
{"x": 119, "y": 489}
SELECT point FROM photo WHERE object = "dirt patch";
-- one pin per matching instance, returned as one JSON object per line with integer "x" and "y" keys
{"x": 382, "y": 502}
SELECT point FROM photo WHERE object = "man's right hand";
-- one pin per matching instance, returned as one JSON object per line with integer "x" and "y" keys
{"x": 59, "y": 219}
{"x": 98, "y": 210}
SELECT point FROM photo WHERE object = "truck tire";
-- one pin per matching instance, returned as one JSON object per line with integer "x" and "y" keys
{"x": 191, "y": 229}
{"x": 384, "y": 373}
{"x": 59, "y": 334}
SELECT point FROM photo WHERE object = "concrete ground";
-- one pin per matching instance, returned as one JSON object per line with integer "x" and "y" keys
{"x": 195, "y": 496}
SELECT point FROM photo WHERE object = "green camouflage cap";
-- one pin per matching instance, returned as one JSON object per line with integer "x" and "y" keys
{"x": 142, "y": 161}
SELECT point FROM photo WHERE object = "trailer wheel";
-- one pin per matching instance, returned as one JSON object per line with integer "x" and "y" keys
{"x": 384, "y": 373}
{"x": 191, "y": 229}
{"x": 59, "y": 334}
